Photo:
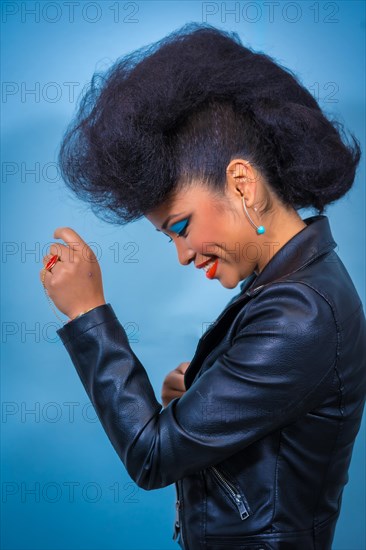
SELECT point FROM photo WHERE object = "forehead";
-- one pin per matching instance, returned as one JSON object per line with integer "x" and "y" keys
{"x": 184, "y": 201}
{"x": 190, "y": 197}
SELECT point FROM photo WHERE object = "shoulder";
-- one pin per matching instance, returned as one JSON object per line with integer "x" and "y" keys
{"x": 291, "y": 299}
{"x": 292, "y": 312}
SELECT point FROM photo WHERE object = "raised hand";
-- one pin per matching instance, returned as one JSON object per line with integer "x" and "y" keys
{"x": 74, "y": 283}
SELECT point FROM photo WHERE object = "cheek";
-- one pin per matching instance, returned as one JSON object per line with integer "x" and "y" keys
{"x": 208, "y": 239}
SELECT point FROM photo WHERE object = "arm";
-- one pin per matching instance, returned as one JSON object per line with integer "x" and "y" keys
{"x": 270, "y": 376}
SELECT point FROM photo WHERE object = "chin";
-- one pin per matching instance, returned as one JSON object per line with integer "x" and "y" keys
{"x": 229, "y": 284}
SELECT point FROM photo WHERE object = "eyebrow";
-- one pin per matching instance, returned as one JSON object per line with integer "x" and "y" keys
{"x": 164, "y": 226}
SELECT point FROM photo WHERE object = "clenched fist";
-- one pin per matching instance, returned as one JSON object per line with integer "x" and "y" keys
{"x": 75, "y": 282}
{"x": 173, "y": 385}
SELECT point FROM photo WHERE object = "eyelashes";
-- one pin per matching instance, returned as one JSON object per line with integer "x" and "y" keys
{"x": 179, "y": 228}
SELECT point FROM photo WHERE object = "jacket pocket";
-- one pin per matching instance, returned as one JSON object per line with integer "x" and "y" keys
{"x": 233, "y": 492}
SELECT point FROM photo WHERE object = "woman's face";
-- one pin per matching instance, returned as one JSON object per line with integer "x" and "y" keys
{"x": 204, "y": 227}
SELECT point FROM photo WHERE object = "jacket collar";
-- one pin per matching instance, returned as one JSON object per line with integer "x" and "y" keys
{"x": 312, "y": 241}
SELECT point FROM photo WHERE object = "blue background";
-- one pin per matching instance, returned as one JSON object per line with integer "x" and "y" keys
{"x": 51, "y": 440}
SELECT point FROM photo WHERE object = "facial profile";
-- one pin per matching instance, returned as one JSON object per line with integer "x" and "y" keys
{"x": 212, "y": 232}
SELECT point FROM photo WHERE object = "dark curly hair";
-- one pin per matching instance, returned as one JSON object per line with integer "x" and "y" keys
{"x": 178, "y": 110}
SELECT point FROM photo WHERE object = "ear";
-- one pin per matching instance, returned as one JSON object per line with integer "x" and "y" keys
{"x": 242, "y": 180}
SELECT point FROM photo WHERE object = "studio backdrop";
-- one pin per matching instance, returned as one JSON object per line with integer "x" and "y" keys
{"x": 63, "y": 486}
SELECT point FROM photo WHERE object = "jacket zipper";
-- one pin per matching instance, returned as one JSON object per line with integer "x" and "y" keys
{"x": 235, "y": 495}
{"x": 178, "y": 524}
{"x": 177, "y": 505}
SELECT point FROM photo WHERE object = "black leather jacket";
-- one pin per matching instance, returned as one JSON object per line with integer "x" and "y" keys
{"x": 260, "y": 444}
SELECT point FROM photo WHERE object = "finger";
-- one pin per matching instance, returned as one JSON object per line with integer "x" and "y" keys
{"x": 66, "y": 253}
{"x": 183, "y": 367}
{"x": 45, "y": 260}
{"x": 175, "y": 381}
{"x": 53, "y": 252}
{"x": 44, "y": 274}
{"x": 71, "y": 238}
{"x": 172, "y": 395}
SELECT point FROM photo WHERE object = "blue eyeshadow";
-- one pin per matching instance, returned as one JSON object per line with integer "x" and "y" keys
{"x": 177, "y": 227}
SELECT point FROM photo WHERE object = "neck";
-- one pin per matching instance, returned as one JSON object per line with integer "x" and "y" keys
{"x": 281, "y": 226}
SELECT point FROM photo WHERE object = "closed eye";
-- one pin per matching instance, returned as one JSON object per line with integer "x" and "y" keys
{"x": 179, "y": 228}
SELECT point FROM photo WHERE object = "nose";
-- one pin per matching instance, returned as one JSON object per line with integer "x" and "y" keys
{"x": 185, "y": 254}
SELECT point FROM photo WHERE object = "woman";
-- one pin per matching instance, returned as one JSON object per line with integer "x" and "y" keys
{"x": 219, "y": 147}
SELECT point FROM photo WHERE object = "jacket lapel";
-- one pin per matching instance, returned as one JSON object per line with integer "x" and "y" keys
{"x": 217, "y": 330}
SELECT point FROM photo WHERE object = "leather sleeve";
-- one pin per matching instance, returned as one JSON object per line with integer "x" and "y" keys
{"x": 280, "y": 365}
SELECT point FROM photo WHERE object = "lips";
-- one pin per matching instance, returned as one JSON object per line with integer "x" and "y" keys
{"x": 199, "y": 266}
{"x": 209, "y": 266}
{"x": 210, "y": 271}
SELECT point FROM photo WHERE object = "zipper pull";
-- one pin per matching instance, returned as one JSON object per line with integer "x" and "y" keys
{"x": 176, "y": 523}
{"x": 254, "y": 291}
{"x": 241, "y": 507}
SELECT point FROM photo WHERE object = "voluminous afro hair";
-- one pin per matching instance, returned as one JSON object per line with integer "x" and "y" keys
{"x": 177, "y": 111}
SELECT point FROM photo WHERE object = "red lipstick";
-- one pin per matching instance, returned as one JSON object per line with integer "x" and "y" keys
{"x": 210, "y": 274}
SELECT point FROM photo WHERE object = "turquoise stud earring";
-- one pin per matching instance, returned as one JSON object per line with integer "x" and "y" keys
{"x": 259, "y": 229}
